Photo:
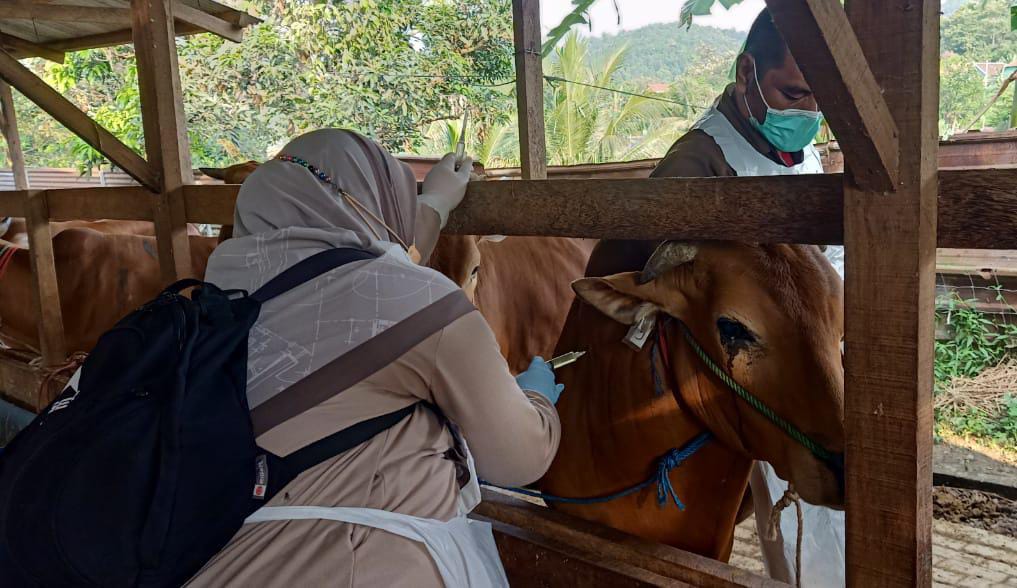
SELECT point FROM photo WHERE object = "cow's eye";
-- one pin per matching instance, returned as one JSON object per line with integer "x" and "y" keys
{"x": 475, "y": 273}
{"x": 733, "y": 332}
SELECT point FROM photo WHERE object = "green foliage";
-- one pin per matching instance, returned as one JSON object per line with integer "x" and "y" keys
{"x": 980, "y": 31}
{"x": 978, "y": 343}
{"x": 586, "y": 124}
{"x": 977, "y": 31}
{"x": 999, "y": 427}
{"x": 577, "y": 16}
{"x": 693, "y": 8}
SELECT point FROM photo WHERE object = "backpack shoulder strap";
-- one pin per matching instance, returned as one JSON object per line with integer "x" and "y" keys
{"x": 308, "y": 269}
{"x": 324, "y": 449}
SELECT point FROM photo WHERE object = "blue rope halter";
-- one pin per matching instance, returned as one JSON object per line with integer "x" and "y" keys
{"x": 665, "y": 463}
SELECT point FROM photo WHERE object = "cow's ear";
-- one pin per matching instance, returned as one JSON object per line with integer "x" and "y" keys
{"x": 620, "y": 296}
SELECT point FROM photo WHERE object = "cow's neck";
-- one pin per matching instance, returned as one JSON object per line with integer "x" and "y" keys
{"x": 615, "y": 427}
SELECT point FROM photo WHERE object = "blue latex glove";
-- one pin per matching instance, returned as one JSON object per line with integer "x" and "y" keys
{"x": 539, "y": 378}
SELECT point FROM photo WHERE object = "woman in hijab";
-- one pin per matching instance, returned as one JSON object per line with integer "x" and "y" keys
{"x": 372, "y": 337}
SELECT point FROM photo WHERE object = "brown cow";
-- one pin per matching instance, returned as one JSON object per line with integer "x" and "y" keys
{"x": 772, "y": 316}
{"x": 17, "y": 232}
{"x": 101, "y": 277}
{"x": 520, "y": 284}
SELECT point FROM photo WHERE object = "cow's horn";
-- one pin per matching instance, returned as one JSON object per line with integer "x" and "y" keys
{"x": 214, "y": 172}
{"x": 669, "y": 254}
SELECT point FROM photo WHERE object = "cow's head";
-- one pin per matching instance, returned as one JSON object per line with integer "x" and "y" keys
{"x": 459, "y": 258}
{"x": 234, "y": 174}
{"x": 772, "y": 317}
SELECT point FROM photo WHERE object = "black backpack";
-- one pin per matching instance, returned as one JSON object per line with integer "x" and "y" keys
{"x": 146, "y": 465}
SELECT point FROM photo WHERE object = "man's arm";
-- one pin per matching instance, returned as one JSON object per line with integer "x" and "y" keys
{"x": 695, "y": 155}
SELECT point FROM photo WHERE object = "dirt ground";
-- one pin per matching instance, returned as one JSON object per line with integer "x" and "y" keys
{"x": 962, "y": 555}
{"x": 982, "y": 510}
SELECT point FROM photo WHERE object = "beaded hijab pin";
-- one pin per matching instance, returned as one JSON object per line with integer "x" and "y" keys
{"x": 358, "y": 206}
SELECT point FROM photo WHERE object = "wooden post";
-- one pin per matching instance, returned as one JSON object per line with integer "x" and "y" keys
{"x": 45, "y": 290}
{"x": 529, "y": 89}
{"x": 9, "y": 126}
{"x": 166, "y": 138}
{"x": 891, "y": 255}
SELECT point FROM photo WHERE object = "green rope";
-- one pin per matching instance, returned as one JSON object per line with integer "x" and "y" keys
{"x": 818, "y": 450}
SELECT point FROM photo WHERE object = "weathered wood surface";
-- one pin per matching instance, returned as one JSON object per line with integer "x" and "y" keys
{"x": 166, "y": 141}
{"x": 45, "y": 290}
{"x": 29, "y": 10}
{"x": 613, "y": 547}
{"x": 9, "y": 128}
{"x": 22, "y": 47}
{"x": 76, "y": 121}
{"x": 190, "y": 17}
{"x": 531, "y": 559}
{"x": 977, "y": 208}
{"x": 889, "y": 302}
{"x": 826, "y": 49}
{"x": 530, "y": 88}
{"x": 208, "y": 22}
{"x": 21, "y": 383}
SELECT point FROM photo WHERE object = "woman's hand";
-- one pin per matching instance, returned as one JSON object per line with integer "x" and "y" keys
{"x": 445, "y": 186}
{"x": 539, "y": 378}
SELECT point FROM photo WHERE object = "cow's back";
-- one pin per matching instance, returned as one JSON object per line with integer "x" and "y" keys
{"x": 101, "y": 278}
{"x": 524, "y": 291}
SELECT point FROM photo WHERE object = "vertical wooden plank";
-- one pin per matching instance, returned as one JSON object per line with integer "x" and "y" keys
{"x": 166, "y": 139}
{"x": 45, "y": 290}
{"x": 9, "y": 127}
{"x": 529, "y": 89}
{"x": 889, "y": 297}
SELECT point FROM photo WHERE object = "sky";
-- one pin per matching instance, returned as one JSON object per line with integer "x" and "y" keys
{"x": 639, "y": 13}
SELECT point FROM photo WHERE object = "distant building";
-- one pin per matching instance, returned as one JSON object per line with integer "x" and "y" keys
{"x": 990, "y": 70}
{"x": 658, "y": 88}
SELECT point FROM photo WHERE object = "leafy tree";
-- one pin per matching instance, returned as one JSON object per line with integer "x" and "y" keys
{"x": 962, "y": 93}
{"x": 667, "y": 52}
{"x": 980, "y": 31}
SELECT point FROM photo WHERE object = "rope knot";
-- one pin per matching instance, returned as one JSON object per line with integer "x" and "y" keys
{"x": 665, "y": 489}
{"x": 773, "y": 529}
{"x": 669, "y": 461}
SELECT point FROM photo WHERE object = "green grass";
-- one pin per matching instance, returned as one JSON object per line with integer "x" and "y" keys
{"x": 978, "y": 344}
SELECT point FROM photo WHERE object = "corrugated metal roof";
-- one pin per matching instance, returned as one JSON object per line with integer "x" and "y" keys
{"x": 48, "y": 178}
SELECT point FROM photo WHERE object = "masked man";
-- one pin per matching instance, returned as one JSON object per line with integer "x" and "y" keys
{"x": 764, "y": 125}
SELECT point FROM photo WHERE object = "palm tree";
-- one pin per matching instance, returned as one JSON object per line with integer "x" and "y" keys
{"x": 587, "y": 124}
{"x": 493, "y": 145}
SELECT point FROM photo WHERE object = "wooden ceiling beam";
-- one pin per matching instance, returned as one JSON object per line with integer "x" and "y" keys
{"x": 826, "y": 49}
{"x": 79, "y": 123}
{"x": 25, "y": 10}
{"x": 183, "y": 13}
{"x": 23, "y": 48}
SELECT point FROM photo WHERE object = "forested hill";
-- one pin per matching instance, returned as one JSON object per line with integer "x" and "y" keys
{"x": 662, "y": 52}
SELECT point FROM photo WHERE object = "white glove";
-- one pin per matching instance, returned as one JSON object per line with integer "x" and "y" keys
{"x": 445, "y": 187}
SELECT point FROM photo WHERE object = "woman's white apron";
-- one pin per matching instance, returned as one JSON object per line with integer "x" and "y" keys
{"x": 823, "y": 537}
{"x": 463, "y": 549}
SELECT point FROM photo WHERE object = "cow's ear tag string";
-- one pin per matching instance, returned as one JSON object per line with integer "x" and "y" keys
{"x": 640, "y": 331}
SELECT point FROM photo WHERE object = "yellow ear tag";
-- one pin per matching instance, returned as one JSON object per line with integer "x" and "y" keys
{"x": 414, "y": 254}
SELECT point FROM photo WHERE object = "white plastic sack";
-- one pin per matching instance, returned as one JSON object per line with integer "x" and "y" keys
{"x": 822, "y": 540}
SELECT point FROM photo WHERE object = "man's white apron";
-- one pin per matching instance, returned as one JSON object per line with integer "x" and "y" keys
{"x": 823, "y": 537}
{"x": 463, "y": 549}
